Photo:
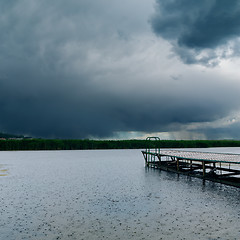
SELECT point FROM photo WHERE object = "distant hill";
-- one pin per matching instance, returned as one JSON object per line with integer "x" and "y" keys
{"x": 7, "y": 135}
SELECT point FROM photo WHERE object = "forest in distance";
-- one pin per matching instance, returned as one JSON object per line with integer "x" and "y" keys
{"x": 86, "y": 144}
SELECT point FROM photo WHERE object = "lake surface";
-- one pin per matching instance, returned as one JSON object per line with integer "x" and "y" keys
{"x": 109, "y": 194}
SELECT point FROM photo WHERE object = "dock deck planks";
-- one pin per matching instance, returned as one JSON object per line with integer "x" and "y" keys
{"x": 203, "y": 156}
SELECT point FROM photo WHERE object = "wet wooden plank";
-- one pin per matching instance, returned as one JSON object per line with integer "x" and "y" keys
{"x": 203, "y": 156}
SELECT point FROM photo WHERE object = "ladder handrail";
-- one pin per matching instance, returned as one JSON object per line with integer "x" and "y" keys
{"x": 157, "y": 149}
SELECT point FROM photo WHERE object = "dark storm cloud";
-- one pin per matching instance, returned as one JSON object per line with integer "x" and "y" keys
{"x": 49, "y": 67}
{"x": 77, "y": 69}
{"x": 197, "y": 26}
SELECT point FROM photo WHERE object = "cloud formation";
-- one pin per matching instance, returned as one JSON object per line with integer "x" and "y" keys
{"x": 81, "y": 69}
{"x": 200, "y": 31}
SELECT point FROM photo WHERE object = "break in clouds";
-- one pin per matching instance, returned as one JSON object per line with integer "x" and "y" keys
{"x": 199, "y": 31}
{"x": 82, "y": 69}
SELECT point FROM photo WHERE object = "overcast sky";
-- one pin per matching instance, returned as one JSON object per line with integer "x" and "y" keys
{"x": 120, "y": 69}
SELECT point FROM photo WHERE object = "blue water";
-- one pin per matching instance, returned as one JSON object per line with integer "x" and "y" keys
{"x": 109, "y": 194}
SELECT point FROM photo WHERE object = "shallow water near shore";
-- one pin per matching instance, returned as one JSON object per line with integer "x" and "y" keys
{"x": 109, "y": 194}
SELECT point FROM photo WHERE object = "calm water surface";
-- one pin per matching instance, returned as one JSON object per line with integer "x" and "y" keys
{"x": 108, "y": 194}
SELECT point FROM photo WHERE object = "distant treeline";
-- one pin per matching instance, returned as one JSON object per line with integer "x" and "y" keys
{"x": 60, "y": 144}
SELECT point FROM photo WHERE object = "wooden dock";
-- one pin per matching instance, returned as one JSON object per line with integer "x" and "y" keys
{"x": 217, "y": 167}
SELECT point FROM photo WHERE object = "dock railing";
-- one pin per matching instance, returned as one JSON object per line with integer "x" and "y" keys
{"x": 152, "y": 146}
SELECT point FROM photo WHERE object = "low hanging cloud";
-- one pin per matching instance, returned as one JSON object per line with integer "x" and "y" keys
{"x": 199, "y": 31}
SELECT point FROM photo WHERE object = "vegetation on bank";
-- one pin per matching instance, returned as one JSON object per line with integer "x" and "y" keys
{"x": 61, "y": 144}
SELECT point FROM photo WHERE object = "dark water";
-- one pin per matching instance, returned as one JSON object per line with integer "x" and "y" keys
{"x": 109, "y": 195}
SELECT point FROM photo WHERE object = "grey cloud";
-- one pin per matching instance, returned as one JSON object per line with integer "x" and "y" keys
{"x": 71, "y": 69}
{"x": 198, "y": 26}
{"x": 48, "y": 67}
{"x": 62, "y": 109}
{"x": 226, "y": 132}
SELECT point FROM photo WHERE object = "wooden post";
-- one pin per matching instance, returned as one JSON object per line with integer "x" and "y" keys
{"x": 204, "y": 169}
{"x": 159, "y": 158}
{"x": 146, "y": 158}
{"x": 177, "y": 164}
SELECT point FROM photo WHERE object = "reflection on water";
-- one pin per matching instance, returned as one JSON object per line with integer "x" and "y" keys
{"x": 109, "y": 195}
{"x": 3, "y": 171}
